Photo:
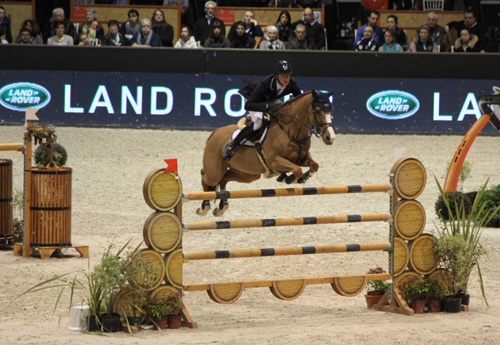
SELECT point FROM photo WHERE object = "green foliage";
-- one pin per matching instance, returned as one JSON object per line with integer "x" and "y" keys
{"x": 174, "y": 304}
{"x": 464, "y": 173}
{"x": 418, "y": 289}
{"x": 436, "y": 289}
{"x": 157, "y": 307}
{"x": 51, "y": 154}
{"x": 491, "y": 200}
{"x": 377, "y": 285}
{"x": 446, "y": 205}
{"x": 459, "y": 248}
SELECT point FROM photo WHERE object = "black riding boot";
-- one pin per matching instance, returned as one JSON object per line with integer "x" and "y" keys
{"x": 230, "y": 148}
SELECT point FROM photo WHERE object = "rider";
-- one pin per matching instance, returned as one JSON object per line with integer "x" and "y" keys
{"x": 262, "y": 97}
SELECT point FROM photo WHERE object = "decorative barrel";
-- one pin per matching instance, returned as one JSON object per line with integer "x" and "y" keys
{"x": 50, "y": 208}
{"x": 162, "y": 231}
{"x": 406, "y": 277}
{"x": 401, "y": 256}
{"x": 409, "y": 219}
{"x": 173, "y": 268}
{"x": 422, "y": 255}
{"x": 5, "y": 196}
{"x": 162, "y": 191}
{"x": 349, "y": 286}
{"x": 409, "y": 177}
{"x": 151, "y": 269}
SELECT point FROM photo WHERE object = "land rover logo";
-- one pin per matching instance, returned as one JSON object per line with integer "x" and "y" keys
{"x": 392, "y": 104}
{"x": 19, "y": 96}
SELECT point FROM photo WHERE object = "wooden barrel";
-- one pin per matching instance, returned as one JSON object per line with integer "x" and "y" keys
{"x": 409, "y": 219}
{"x": 225, "y": 293}
{"x": 162, "y": 191}
{"x": 6, "y": 217}
{"x": 163, "y": 291}
{"x": 401, "y": 256}
{"x": 406, "y": 277}
{"x": 349, "y": 286}
{"x": 128, "y": 303}
{"x": 288, "y": 289}
{"x": 443, "y": 276}
{"x": 50, "y": 208}
{"x": 162, "y": 231}
{"x": 422, "y": 255}
{"x": 409, "y": 177}
{"x": 151, "y": 269}
{"x": 173, "y": 268}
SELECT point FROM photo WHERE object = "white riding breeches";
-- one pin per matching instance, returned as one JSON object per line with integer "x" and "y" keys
{"x": 256, "y": 117}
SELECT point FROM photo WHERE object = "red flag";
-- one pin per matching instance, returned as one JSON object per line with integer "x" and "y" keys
{"x": 171, "y": 164}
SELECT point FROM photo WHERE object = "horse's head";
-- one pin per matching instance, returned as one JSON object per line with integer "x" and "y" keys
{"x": 323, "y": 110}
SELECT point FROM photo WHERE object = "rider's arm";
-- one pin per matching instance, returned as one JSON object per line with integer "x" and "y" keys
{"x": 255, "y": 101}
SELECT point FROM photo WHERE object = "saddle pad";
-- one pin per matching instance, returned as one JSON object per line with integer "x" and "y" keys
{"x": 247, "y": 142}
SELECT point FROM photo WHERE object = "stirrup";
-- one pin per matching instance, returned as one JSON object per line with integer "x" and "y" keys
{"x": 228, "y": 151}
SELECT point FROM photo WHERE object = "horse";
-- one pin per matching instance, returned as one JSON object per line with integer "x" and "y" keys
{"x": 285, "y": 148}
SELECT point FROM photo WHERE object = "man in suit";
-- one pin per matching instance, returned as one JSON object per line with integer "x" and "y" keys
{"x": 203, "y": 26}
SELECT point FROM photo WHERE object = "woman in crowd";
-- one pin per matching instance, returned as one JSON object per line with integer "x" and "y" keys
{"x": 114, "y": 37}
{"x": 34, "y": 29}
{"x": 162, "y": 28}
{"x": 423, "y": 43}
{"x": 60, "y": 39}
{"x": 467, "y": 43}
{"x": 284, "y": 25}
{"x": 216, "y": 38}
{"x": 186, "y": 40}
{"x": 390, "y": 44}
{"x": 272, "y": 41}
{"x": 132, "y": 26}
{"x": 91, "y": 28}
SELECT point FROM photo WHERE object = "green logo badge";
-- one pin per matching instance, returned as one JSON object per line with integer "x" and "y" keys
{"x": 19, "y": 96}
{"x": 393, "y": 104}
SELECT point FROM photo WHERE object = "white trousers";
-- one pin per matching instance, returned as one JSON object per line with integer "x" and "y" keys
{"x": 256, "y": 117}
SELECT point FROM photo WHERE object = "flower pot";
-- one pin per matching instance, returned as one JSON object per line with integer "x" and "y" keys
{"x": 418, "y": 306}
{"x": 452, "y": 304}
{"x": 465, "y": 297}
{"x": 160, "y": 323}
{"x": 434, "y": 305}
{"x": 135, "y": 321}
{"x": 372, "y": 299}
{"x": 174, "y": 321}
{"x": 93, "y": 324}
{"x": 111, "y": 322}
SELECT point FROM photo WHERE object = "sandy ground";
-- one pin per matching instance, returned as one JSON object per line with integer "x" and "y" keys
{"x": 109, "y": 168}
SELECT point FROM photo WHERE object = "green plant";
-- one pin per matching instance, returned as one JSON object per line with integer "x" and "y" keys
{"x": 436, "y": 289}
{"x": 459, "y": 247}
{"x": 492, "y": 200}
{"x": 418, "y": 289}
{"x": 447, "y": 203}
{"x": 157, "y": 307}
{"x": 51, "y": 154}
{"x": 377, "y": 285}
{"x": 174, "y": 304}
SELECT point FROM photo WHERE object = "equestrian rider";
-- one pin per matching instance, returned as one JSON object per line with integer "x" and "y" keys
{"x": 262, "y": 97}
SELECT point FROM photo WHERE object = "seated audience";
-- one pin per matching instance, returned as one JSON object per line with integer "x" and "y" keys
{"x": 203, "y": 26}
{"x": 5, "y": 25}
{"x": 69, "y": 27}
{"x": 390, "y": 44}
{"x": 60, "y": 38}
{"x": 34, "y": 30}
{"x": 470, "y": 22}
{"x": 392, "y": 24}
{"x": 378, "y": 34}
{"x": 162, "y": 28}
{"x": 315, "y": 31}
{"x": 242, "y": 39}
{"x": 368, "y": 42}
{"x": 422, "y": 43}
{"x": 91, "y": 28}
{"x": 114, "y": 37}
{"x": 284, "y": 25}
{"x": 146, "y": 37}
{"x": 467, "y": 43}
{"x": 272, "y": 41}
{"x": 217, "y": 39}
{"x": 24, "y": 37}
{"x": 300, "y": 40}
{"x": 437, "y": 32}
{"x": 250, "y": 27}
{"x": 186, "y": 40}
{"x": 132, "y": 25}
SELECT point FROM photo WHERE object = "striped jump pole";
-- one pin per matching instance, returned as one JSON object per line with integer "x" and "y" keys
{"x": 272, "y": 222}
{"x": 280, "y": 251}
{"x": 278, "y": 192}
{"x": 11, "y": 147}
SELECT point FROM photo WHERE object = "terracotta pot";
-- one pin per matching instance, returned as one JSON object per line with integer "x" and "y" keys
{"x": 434, "y": 305}
{"x": 160, "y": 323}
{"x": 418, "y": 306}
{"x": 174, "y": 321}
{"x": 372, "y": 299}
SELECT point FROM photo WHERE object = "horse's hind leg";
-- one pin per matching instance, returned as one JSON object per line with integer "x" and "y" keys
{"x": 205, "y": 204}
{"x": 223, "y": 204}
{"x": 232, "y": 175}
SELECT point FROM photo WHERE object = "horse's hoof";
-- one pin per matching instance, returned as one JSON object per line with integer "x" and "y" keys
{"x": 281, "y": 177}
{"x": 304, "y": 177}
{"x": 290, "y": 179}
{"x": 202, "y": 211}
{"x": 218, "y": 212}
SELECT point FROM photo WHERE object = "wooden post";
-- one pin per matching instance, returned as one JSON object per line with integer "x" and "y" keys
{"x": 27, "y": 192}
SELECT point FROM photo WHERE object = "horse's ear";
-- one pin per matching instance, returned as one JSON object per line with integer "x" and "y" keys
{"x": 315, "y": 94}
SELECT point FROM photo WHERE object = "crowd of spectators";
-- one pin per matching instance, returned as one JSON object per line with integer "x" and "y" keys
{"x": 245, "y": 33}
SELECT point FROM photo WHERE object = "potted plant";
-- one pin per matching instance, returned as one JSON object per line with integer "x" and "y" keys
{"x": 436, "y": 294}
{"x": 375, "y": 288}
{"x": 459, "y": 247}
{"x": 174, "y": 310}
{"x": 157, "y": 309}
{"x": 416, "y": 294}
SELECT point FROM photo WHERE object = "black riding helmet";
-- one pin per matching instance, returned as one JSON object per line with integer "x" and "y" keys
{"x": 282, "y": 67}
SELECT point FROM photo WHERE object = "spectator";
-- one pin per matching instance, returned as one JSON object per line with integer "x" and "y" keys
{"x": 368, "y": 42}
{"x": 300, "y": 40}
{"x": 114, "y": 37}
{"x": 132, "y": 25}
{"x": 437, "y": 32}
{"x": 272, "y": 41}
{"x": 392, "y": 24}
{"x": 58, "y": 16}
{"x": 373, "y": 18}
{"x": 284, "y": 25}
{"x": 217, "y": 38}
{"x": 34, "y": 30}
{"x": 2, "y": 36}
{"x": 251, "y": 27}
{"x": 242, "y": 39}
{"x": 162, "y": 28}
{"x": 186, "y": 40}
{"x": 91, "y": 28}
{"x": 146, "y": 37}
{"x": 390, "y": 44}
{"x": 5, "y": 25}
{"x": 470, "y": 22}
{"x": 315, "y": 31}
{"x": 423, "y": 42}
{"x": 203, "y": 26}
{"x": 467, "y": 43}
{"x": 24, "y": 37}
{"x": 60, "y": 38}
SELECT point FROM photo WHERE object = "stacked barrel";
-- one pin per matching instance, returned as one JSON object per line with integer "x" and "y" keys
{"x": 5, "y": 197}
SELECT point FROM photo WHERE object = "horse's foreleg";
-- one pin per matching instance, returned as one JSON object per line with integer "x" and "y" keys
{"x": 223, "y": 204}
{"x": 205, "y": 204}
{"x": 313, "y": 168}
{"x": 282, "y": 164}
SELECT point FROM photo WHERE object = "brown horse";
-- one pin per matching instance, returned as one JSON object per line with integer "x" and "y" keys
{"x": 286, "y": 147}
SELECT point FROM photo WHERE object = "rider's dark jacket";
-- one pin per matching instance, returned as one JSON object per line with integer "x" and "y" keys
{"x": 259, "y": 94}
